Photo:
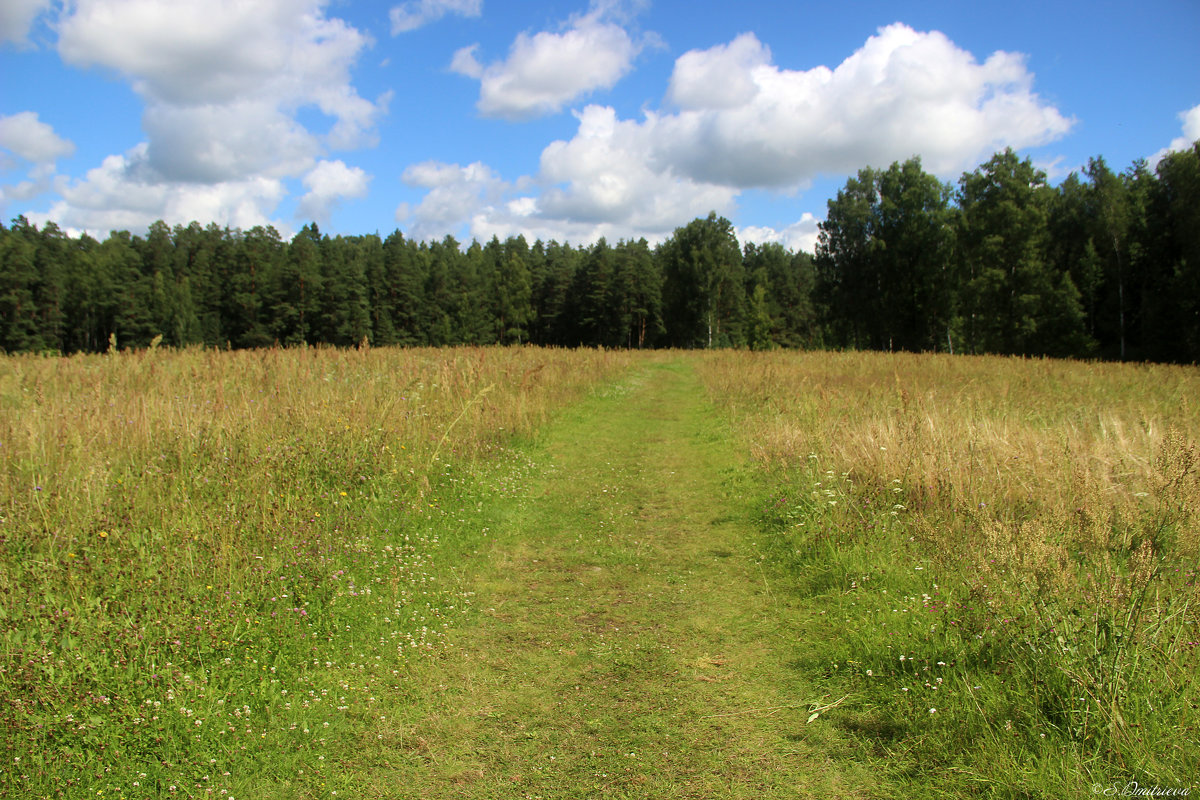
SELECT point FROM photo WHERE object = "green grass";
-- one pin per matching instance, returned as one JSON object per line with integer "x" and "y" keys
{"x": 497, "y": 573}
{"x": 213, "y": 566}
{"x": 1002, "y": 584}
{"x": 627, "y": 644}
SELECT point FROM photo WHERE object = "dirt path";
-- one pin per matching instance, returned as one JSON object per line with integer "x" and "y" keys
{"x": 629, "y": 643}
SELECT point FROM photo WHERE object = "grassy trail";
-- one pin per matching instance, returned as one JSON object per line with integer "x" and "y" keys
{"x": 628, "y": 643}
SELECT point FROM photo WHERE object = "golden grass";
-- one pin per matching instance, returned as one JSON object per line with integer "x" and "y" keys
{"x": 1039, "y": 519}
{"x": 80, "y": 433}
{"x": 1094, "y": 450}
{"x": 213, "y": 563}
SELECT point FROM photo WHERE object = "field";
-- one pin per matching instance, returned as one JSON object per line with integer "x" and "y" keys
{"x": 503, "y": 572}
{"x": 1000, "y": 559}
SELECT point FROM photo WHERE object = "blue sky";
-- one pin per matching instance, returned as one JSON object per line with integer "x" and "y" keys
{"x": 557, "y": 119}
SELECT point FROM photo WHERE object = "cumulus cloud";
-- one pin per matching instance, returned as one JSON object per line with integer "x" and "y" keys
{"x": 546, "y": 71}
{"x": 605, "y": 174}
{"x": 223, "y": 82}
{"x": 455, "y": 195}
{"x": 328, "y": 183}
{"x": 735, "y": 120}
{"x": 1191, "y": 133}
{"x": 26, "y": 141}
{"x": 416, "y": 13}
{"x": 902, "y": 93}
{"x": 800, "y": 235}
{"x": 27, "y": 137}
{"x": 720, "y": 77}
{"x": 214, "y": 143}
{"x": 123, "y": 193}
{"x": 17, "y": 16}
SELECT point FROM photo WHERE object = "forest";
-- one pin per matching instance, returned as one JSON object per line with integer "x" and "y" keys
{"x": 1104, "y": 265}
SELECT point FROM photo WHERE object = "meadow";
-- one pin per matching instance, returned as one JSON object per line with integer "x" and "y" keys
{"x": 998, "y": 557}
{"x": 213, "y": 565}
{"x": 223, "y": 574}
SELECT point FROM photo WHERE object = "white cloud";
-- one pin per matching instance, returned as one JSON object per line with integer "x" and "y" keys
{"x": 27, "y": 139}
{"x": 739, "y": 121}
{"x": 456, "y": 194}
{"x": 721, "y": 77}
{"x": 124, "y": 194}
{"x": 546, "y": 71}
{"x": 214, "y": 143}
{"x": 328, "y": 183}
{"x": 25, "y": 135}
{"x": 17, "y": 16}
{"x": 413, "y": 14}
{"x": 224, "y": 82}
{"x": 1191, "y": 124}
{"x": 800, "y": 235}
{"x": 606, "y": 174}
{"x": 1191, "y": 132}
{"x": 902, "y": 93}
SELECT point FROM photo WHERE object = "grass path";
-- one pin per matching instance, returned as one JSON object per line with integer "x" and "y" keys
{"x": 627, "y": 644}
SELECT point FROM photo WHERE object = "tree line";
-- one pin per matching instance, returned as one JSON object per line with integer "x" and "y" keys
{"x": 1103, "y": 265}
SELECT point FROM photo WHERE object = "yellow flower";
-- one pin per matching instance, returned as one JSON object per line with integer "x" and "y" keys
{"x": 103, "y": 534}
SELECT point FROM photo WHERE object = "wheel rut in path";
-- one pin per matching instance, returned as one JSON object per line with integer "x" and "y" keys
{"x": 627, "y": 641}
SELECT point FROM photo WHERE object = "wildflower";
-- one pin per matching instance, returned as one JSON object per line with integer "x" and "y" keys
{"x": 103, "y": 534}
{"x": 933, "y": 711}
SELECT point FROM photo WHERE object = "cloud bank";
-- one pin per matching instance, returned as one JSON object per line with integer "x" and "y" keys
{"x": 734, "y": 120}
{"x": 223, "y": 83}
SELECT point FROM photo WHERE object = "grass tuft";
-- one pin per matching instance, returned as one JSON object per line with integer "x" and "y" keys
{"x": 998, "y": 555}
{"x": 214, "y": 566}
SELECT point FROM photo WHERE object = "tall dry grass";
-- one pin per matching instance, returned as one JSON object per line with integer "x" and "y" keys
{"x": 1043, "y": 516}
{"x": 212, "y": 564}
{"x": 91, "y": 441}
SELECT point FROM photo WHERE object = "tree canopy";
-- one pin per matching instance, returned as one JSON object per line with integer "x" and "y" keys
{"x": 1104, "y": 265}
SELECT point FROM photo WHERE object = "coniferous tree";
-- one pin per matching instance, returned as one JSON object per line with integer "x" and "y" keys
{"x": 513, "y": 292}
{"x": 1071, "y": 249}
{"x": 19, "y": 328}
{"x": 1175, "y": 206}
{"x": 196, "y": 252}
{"x": 296, "y": 288}
{"x": 703, "y": 287}
{"x": 1110, "y": 223}
{"x": 344, "y": 317}
{"x": 552, "y": 295}
{"x": 639, "y": 295}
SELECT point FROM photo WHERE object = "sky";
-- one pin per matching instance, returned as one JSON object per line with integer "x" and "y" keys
{"x": 560, "y": 119}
